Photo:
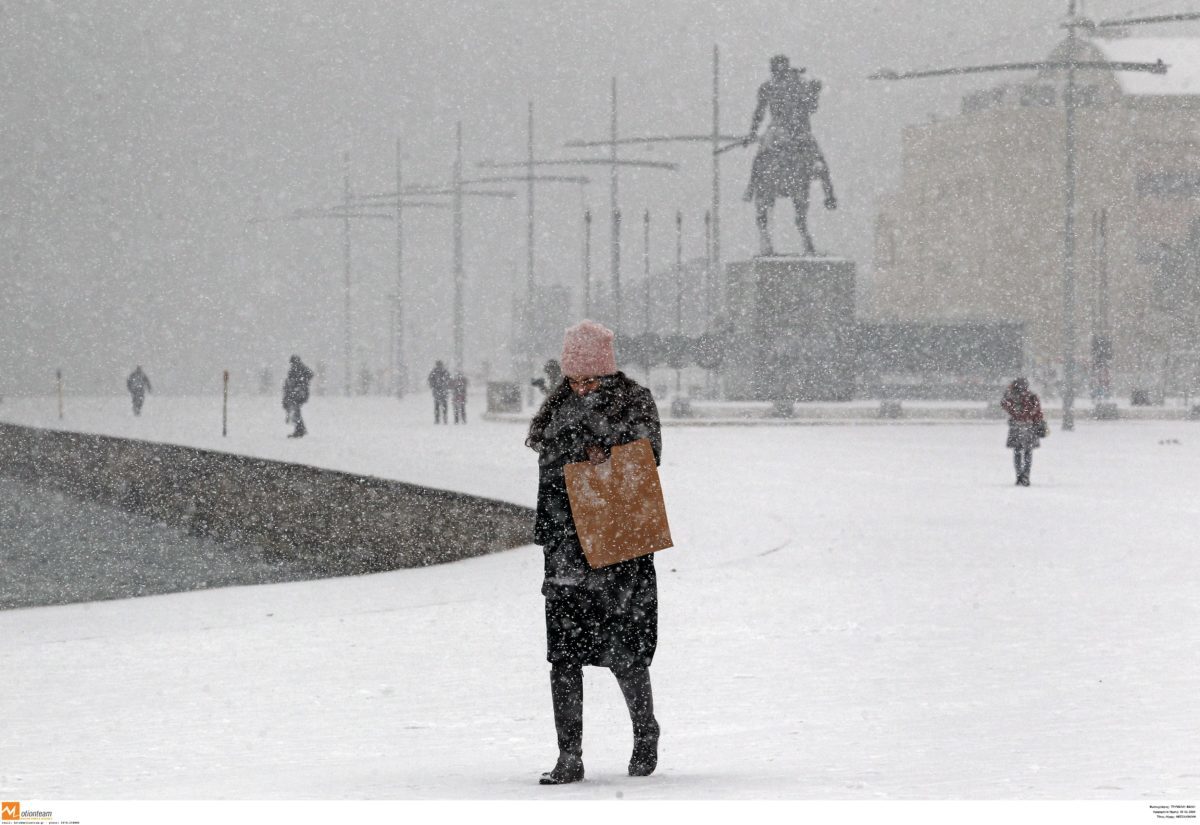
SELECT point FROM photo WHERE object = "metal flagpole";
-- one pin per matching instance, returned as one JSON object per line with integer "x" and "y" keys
{"x": 714, "y": 267}
{"x": 587, "y": 263}
{"x": 529, "y": 247}
{"x": 529, "y": 214}
{"x": 458, "y": 248}
{"x": 346, "y": 334}
{"x": 401, "y": 372}
{"x": 708, "y": 270}
{"x": 646, "y": 293}
{"x": 709, "y": 241}
{"x": 614, "y": 211}
{"x": 678, "y": 293}
{"x": 1068, "y": 414}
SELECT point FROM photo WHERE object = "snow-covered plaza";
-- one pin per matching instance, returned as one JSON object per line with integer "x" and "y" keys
{"x": 851, "y": 612}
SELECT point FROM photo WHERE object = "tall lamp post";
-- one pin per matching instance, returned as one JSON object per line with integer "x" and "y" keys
{"x": 351, "y": 208}
{"x": 531, "y": 179}
{"x": 714, "y": 138}
{"x": 1070, "y": 65}
{"x": 400, "y": 375}
{"x": 614, "y": 164}
{"x": 458, "y": 190}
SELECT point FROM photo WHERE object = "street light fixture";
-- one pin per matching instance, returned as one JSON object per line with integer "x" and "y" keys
{"x": 1070, "y": 65}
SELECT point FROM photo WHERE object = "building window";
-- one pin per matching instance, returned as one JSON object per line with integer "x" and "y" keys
{"x": 1041, "y": 94}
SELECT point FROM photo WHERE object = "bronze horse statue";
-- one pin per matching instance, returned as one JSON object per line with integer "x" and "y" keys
{"x": 788, "y": 157}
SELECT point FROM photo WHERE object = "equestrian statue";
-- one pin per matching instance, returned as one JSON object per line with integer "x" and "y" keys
{"x": 788, "y": 157}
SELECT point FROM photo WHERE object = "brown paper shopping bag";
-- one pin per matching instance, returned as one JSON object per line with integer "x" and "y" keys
{"x": 618, "y": 505}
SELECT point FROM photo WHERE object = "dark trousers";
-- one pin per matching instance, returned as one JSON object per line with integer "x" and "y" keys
{"x": 460, "y": 410}
{"x": 293, "y": 415}
{"x": 566, "y": 692}
{"x": 1023, "y": 463}
{"x": 138, "y": 400}
{"x": 439, "y": 409}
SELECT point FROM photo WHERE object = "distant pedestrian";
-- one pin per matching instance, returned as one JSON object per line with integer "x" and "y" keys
{"x": 138, "y": 384}
{"x": 606, "y": 617}
{"x": 439, "y": 382}
{"x": 553, "y": 377}
{"x": 458, "y": 392}
{"x": 1026, "y": 426}
{"x": 295, "y": 394}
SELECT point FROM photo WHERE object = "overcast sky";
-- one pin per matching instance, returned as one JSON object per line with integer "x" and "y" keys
{"x": 138, "y": 139}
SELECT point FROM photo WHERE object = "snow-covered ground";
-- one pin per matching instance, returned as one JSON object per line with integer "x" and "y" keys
{"x": 850, "y": 613}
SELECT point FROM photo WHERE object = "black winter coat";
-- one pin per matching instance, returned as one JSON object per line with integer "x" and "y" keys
{"x": 138, "y": 383}
{"x": 606, "y": 617}
{"x": 439, "y": 381}
{"x": 295, "y": 386}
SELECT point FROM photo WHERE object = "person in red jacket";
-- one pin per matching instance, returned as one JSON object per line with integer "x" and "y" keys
{"x": 1026, "y": 426}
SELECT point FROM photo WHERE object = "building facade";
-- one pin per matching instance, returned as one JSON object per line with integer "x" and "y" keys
{"x": 975, "y": 231}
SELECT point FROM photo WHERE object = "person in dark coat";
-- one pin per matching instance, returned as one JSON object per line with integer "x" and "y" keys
{"x": 1026, "y": 426}
{"x": 439, "y": 382}
{"x": 606, "y": 617}
{"x": 295, "y": 394}
{"x": 553, "y": 377}
{"x": 458, "y": 392}
{"x": 138, "y": 384}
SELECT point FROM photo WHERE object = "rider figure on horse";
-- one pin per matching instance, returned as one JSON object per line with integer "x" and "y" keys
{"x": 788, "y": 156}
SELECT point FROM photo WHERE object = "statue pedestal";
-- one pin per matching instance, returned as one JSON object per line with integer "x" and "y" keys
{"x": 794, "y": 329}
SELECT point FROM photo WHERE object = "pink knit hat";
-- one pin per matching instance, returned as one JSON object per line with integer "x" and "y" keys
{"x": 588, "y": 350}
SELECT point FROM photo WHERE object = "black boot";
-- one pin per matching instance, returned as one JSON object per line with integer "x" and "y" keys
{"x": 567, "y": 769}
{"x": 639, "y": 698}
{"x": 566, "y": 693}
{"x": 644, "y": 759}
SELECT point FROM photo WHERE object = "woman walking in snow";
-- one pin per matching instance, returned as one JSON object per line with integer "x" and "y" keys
{"x": 1026, "y": 426}
{"x": 606, "y": 617}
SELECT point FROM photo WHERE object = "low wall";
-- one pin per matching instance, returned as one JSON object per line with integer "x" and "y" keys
{"x": 342, "y": 524}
